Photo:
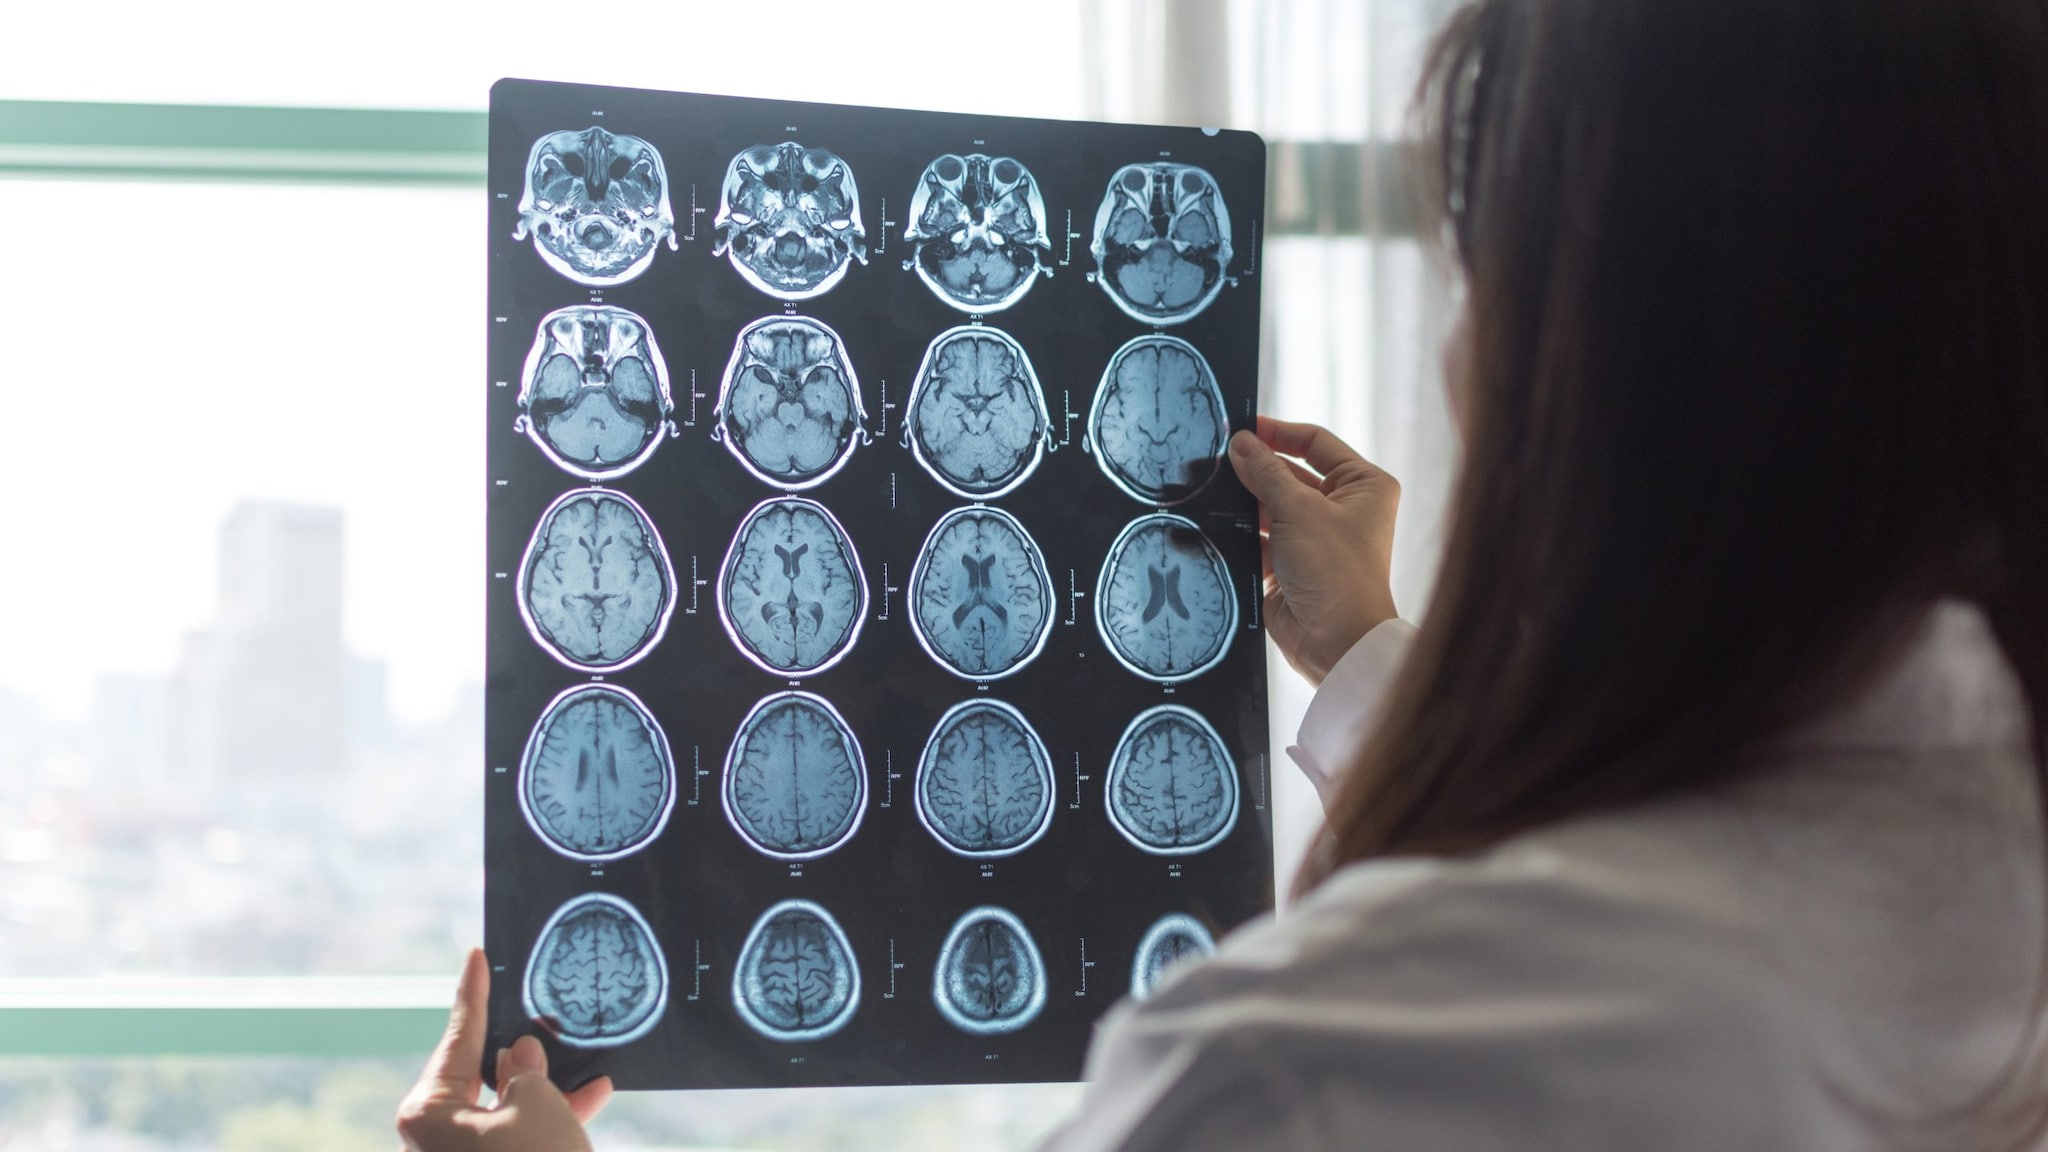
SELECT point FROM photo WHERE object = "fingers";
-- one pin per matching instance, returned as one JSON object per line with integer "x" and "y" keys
{"x": 1270, "y": 478}
{"x": 453, "y": 1074}
{"x": 587, "y": 1101}
{"x": 1311, "y": 442}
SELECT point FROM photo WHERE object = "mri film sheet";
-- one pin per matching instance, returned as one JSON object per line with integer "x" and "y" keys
{"x": 875, "y": 680}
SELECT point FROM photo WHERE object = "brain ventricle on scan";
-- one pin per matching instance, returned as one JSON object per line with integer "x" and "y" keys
{"x": 980, "y": 594}
{"x": 976, "y": 418}
{"x": 596, "y": 205}
{"x": 597, "y": 781}
{"x": 1157, "y": 424}
{"x": 789, "y": 219}
{"x": 789, "y": 405}
{"x": 1162, "y": 241}
{"x": 790, "y": 592}
{"x": 594, "y": 394}
{"x": 596, "y": 588}
{"x": 1164, "y": 602}
{"x": 978, "y": 226}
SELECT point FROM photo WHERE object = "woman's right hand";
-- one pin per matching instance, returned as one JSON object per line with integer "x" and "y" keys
{"x": 1328, "y": 536}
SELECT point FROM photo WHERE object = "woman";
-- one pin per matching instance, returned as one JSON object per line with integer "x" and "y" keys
{"x": 1705, "y": 810}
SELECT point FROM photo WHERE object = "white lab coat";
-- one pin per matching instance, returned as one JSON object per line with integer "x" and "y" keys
{"x": 1843, "y": 952}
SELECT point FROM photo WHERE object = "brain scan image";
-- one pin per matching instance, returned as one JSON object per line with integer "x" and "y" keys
{"x": 595, "y": 587}
{"x": 597, "y": 780}
{"x": 1164, "y": 603}
{"x": 789, "y": 405}
{"x": 796, "y": 785}
{"x": 980, "y": 595}
{"x": 1158, "y": 427}
{"x": 791, "y": 592}
{"x": 789, "y": 219}
{"x": 976, "y": 419}
{"x": 1173, "y": 939}
{"x": 596, "y": 977}
{"x": 978, "y": 226}
{"x": 596, "y": 205}
{"x": 796, "y": 978}
{"x": 594, "y": 395}
{"x": 1162, "y": 241}
{"x": 1172, "y": 785}
{"x": 985, "y": 785}
{"x": 990, "y": 977}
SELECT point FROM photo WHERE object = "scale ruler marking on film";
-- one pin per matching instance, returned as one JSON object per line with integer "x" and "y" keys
{"x": 888, "y": 590}
{"x": 695, "y": 396}
{"x": 697, "y": 969}
{"x": 1086, "y": 964}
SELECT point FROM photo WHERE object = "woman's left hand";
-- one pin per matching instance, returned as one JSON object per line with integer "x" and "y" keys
{"x": 441, "y": 1113}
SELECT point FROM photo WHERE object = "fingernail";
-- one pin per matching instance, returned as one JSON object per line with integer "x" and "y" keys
{"x": 524, "y": 1055}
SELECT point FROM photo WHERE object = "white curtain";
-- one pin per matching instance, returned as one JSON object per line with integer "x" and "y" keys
{"x": 1355, "y": 306}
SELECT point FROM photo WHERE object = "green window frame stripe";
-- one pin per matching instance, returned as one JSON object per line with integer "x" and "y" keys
{"x": 325, "y": 1017}
{"x": 1316, "y": 188}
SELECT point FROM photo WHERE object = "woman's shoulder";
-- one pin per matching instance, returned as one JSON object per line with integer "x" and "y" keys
{"x": 1472, "y": 1005}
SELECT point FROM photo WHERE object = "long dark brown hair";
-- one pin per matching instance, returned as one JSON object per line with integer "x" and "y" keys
{"x": 1758, "y": 294}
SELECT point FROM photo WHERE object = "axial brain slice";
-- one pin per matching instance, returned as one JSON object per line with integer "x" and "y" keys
{"x": 978, "y": 223}
{"x": 596, "y": 585}
{"x": 796, "y": 978}
{"x": 791, "y": 591}
{"x": 789, "y": 219}
{"x": 1157, "y": 424}
{"x": 984, "y": 786}
{"x": 1174, "y": 940}
{"x": 1172, "y": 787}
{"x": 1162, "y": 241}
{"x": 980, "y": 594}
{"x": 596, "y": 205}
{"x": 595, "y": 393}
{"x": 795, "y": 784}
{"x": 596, "y": 974}
{"x": 977, "y": 418}
{"x": 1164, "y": 603}
{"x": 990, "y": 976}
{"x": 597, "y": 780}
{"x": 789, "y": 406}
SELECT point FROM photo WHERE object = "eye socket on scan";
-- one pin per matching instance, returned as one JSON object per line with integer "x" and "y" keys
{"x": 789, "y": 219}
{"x": 596, "y": 204}
{"x": 1161, "y": 242}
{"x": 978, "y": 232}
